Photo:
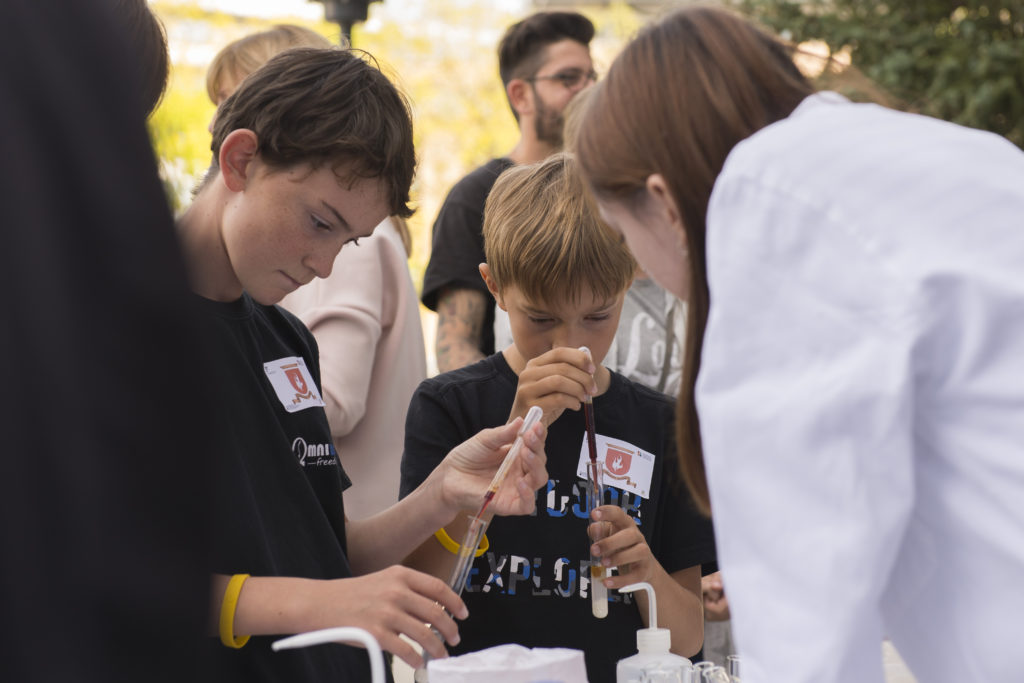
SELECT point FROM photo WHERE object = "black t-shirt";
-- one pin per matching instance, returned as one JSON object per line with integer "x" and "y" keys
{"x": 458, "y": 244}
{"x": 280, "y": 511}
{"x": 532, "y": 585}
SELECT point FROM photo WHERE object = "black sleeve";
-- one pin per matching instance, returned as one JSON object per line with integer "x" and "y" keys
{"x": 455, "y": 258}
{"x": 432, "y": 428}
{"x": 684, "y": 536}
{"x": 301, "y": 338}
{"x": 458, "y": 245}
{"x": 457, "y": 249}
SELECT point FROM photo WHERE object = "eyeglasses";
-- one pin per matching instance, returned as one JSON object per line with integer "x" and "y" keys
{"x": 570, "y": 78}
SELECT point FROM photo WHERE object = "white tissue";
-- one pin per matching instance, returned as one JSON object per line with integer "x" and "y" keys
{"x": 511, "y": 664}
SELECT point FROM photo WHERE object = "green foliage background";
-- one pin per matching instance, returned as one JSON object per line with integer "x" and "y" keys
{"x": 959, "y": 61}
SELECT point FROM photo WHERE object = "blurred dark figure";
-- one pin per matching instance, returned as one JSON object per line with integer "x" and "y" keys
{"x": 104, "y": 439}
{"x": 147, "y": 45}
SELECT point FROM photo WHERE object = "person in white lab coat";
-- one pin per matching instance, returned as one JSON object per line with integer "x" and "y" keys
{"x": 855, "y": 277}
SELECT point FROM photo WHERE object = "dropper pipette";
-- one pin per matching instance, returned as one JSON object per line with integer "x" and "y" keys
{"x": 477, "y": 524}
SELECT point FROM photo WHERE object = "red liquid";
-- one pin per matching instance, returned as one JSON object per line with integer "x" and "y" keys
{"x": 488, "y": 497}
{"x": 588, "y": 418}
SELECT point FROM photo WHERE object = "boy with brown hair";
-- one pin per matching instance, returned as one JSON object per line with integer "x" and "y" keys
{"x": 311, "y": 153}
{"x": 561, "y": 274}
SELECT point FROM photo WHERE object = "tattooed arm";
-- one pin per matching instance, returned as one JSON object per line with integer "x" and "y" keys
{"x": 461, "y": 314}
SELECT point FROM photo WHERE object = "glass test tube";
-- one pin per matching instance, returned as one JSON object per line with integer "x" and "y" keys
{"x": 457, "y": 580}
{"x": 732, "y": 665}
{"x": 595, "y": 497}
{"x": 467, "y": 550}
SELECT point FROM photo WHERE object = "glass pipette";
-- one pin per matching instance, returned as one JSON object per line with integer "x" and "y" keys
{"x": 478, "y": 525}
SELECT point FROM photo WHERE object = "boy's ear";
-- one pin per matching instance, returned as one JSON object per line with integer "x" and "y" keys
{"x": 520, "y": 96}
{"x": 664, "y": 204}
{"x": 237, "y": 153}
{"x": 492, "y": 286}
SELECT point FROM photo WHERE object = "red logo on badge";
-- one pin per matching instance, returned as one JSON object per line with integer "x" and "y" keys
{"x": 294, "y": 375}
{"x": 617, "y": 460}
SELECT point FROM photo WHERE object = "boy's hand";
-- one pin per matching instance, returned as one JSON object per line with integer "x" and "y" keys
{"x": 559, "y": 379}
{"x": 716, "y": 606}
{"x": 623, "y": 546}
{"x": 469, "y": 468}
{"x": 392, "y": 602}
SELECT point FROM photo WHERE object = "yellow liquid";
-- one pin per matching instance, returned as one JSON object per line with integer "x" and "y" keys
{"x": 598, "y": 592}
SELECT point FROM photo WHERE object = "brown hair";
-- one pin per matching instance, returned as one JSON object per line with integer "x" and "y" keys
{"x": 241, "y": 57}
{"x": 675, "y": 102}
{"x": 542, "y": 234}
{"x": 326, "y": 106}
{"x": 572, "y": 118}
{"x": 523, "y": 48}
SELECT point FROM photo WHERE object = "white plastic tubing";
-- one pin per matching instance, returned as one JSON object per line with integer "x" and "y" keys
{"x": 341, "y": 634}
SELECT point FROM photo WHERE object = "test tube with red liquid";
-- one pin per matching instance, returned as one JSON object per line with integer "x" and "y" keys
{"x": 595, "y": 498}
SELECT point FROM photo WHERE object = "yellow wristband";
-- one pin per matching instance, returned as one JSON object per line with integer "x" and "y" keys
{"x": 451, "y": 546}
{"x": 227, "y": 613}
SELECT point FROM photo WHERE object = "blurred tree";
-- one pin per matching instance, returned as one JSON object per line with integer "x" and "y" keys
{"x": 958, "y": 61}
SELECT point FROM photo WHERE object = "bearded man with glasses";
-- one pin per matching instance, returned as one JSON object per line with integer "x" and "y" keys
{"x": 544, "y": 61}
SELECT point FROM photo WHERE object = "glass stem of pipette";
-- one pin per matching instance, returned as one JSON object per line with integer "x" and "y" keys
{"x": 532, "y": 416}
{"x": 478, "y": 524}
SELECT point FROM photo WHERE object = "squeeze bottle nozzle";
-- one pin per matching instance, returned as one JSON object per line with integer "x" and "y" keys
{"x": 654, "y": 648}
{"x": 651, "y": 640}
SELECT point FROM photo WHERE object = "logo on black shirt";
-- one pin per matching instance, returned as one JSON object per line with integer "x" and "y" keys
{"x": 314, "y": 454}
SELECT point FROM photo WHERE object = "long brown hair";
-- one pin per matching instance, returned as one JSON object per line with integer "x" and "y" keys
{"x": 675, "y": 102}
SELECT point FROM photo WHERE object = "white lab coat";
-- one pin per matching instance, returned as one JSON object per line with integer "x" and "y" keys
{"x": 861, "y": 396}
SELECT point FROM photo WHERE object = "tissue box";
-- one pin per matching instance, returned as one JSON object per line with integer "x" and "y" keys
{"x": 511, "y": 664}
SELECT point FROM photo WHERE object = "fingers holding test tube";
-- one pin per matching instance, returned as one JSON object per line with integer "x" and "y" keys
{"x": 468, "y": 470}
{"x": 388, "y": 604}
{"x": 621, "y": 545}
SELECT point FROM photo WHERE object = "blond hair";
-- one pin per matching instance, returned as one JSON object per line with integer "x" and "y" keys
{"x": 241, "y": 57}
{"x": 542, "y": 235}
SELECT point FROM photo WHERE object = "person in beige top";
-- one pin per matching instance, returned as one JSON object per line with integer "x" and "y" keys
{"x": 365, "y": 316}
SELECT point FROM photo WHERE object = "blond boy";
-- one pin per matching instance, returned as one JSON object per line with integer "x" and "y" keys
{"x": 561, "y": 274}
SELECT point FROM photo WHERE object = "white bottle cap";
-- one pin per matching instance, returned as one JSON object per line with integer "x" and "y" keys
{"x": 653, "y": 641}
{"x": 650, "y": 640}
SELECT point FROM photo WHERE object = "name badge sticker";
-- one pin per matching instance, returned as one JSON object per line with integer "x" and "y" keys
{"x": 293, "y": 384}
{"x": 625, "y": 466}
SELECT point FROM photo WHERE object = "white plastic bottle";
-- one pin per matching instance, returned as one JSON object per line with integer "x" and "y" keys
{"x": 653, "y": 646}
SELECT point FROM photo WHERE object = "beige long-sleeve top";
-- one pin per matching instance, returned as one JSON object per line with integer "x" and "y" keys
{"x": 365, "y": 318}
